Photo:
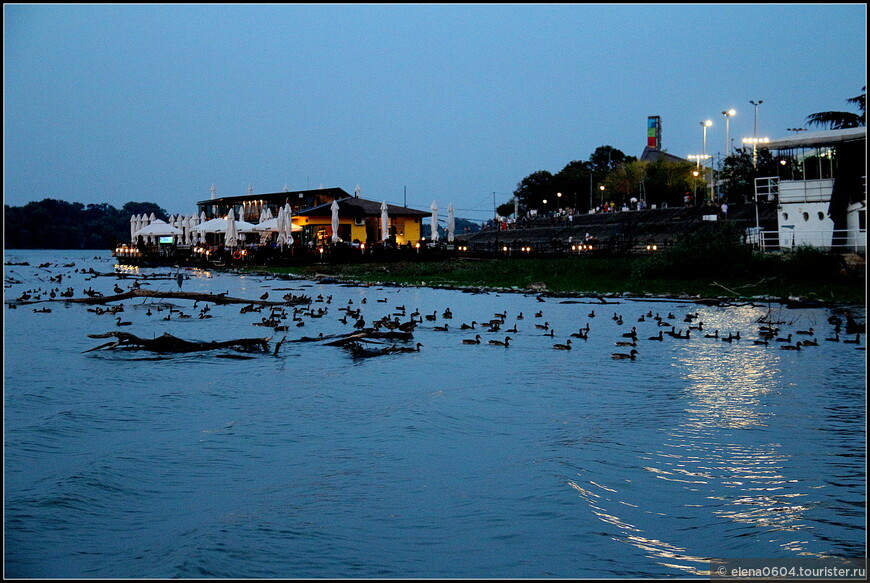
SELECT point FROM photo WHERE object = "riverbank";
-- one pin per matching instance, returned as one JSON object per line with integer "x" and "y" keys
{"x": 589, "y": 276}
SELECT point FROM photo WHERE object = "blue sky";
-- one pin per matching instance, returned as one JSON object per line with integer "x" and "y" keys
{"x": 155, "y": 103}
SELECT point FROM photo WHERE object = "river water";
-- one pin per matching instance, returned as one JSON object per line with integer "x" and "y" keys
{"x": 457, "y": 461}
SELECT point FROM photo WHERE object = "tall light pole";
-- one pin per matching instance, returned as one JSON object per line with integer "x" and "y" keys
{"x": 728, "y": 115}
{"x": 755, "y": 132}
{"x": 705, "y": 125}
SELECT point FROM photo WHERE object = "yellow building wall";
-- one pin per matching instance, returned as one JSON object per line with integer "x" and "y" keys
{"x": 412, "y": 232}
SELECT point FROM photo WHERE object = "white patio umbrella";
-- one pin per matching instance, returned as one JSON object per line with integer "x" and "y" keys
{"x": 451, "y": 222}
{"x": 434, "y": 222}
{"x": 158, "y": 228}
{"x": 202, "y": 220}
{"x": 334, "y": 207}
{"x": 231, "y": 239}
{"x": 279, "y": 227}
{"x": 385, "y": 222}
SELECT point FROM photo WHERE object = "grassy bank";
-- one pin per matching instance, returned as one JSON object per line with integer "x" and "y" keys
{"x": 712, "y": 263}
{"x": 598, "y": 275}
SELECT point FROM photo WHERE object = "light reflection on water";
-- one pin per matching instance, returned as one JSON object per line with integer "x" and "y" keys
{"x": 457, "y": 461}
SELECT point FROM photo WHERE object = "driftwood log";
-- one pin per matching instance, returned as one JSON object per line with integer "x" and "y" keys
{"x": 288, "y": 300}
{"x": 170, "y": 343}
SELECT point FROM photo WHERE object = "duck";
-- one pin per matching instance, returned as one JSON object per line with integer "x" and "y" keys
{"x": 809, "y": 332}
{"x": 715, "y": 334}
{"x": 632, "y": 334}
{"x": 786, "y": 339}
{"x": 790, "y": 347}
{"x": 400, "y": 349}
{"x": 581, "y": 333}
{"x": 468, "y": 326}
{"x": 120, "y": 323}
{"x": 506, "y": 342}
{"x": 475, "y": 340}
{"x": 857, "y": 339}
{"x": 836, "y": 338}
{"x": 440, "y": 328}
{"x": 621, "y": 356}
{"x": 808, "y": 343}
{"x": 544, "y": 326}
{"x": 761, "y": 342}
{"x": 625, "y": 343}
{"x": 591, "y": 314}
{"x": 566, "y": 346}
{"x": 264, "y": 296}
{"x": 659, "y": 337}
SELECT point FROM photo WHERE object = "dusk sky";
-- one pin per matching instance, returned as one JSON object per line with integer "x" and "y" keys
{"x": 155, "y": 103}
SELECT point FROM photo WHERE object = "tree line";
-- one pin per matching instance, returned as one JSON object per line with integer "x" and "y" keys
{"x": 57, "y": 224}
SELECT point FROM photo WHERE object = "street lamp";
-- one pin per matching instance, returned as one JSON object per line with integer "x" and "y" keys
{"x": 755, "y": 131}
{"x": 601, "y": 188}
{"x": 728, "y": 115}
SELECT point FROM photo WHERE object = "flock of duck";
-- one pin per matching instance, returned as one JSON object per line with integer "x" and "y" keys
{"x": 400, "y": 324}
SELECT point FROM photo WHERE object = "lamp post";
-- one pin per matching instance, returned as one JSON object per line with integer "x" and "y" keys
{"x": 601, "y": 188}
{"x": 755, "y": 131}
{"x": 705, "y": 125}
{"x": 728, "y": 115}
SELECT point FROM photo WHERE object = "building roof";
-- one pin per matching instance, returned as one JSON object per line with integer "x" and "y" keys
{"x": 333, "y": 193}
{"x": 813, "y": 139}
{"x": 654, "y": 154}
{"x": 360, "y": 207}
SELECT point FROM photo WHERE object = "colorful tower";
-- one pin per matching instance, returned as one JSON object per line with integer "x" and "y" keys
{"x": 654, "y": 132}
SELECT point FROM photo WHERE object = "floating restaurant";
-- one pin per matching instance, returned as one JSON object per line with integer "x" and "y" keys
{"x": 321, "y": 223}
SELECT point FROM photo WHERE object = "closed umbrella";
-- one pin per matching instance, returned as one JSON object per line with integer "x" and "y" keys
{"x": 279, "y": 227}
{"x": 434, "y": 208}
{"x": 334, "y": 207}
{"x": 385, "y": 222}
{"x": 202, "y": 220}
{"x": 134, "y": 226}
{"x": 451, "y": 222}
{"x": 232, "y": 235}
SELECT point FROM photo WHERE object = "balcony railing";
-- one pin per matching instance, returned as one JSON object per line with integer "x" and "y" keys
{"x": 840, "y": 240}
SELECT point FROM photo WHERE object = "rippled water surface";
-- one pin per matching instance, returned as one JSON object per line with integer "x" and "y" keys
{"x": 455, "y": 461}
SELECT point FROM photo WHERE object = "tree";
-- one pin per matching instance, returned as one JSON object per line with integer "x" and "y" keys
{"x": 573, "y": 181}
{"x": 624, "y": 181}
{"x": 667, "y": 181}
{"x": 606, "y": 158}
{"x": 534, "y": 189}
{"x": 838, "y": 120}
{"x": 57, "y": 224}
